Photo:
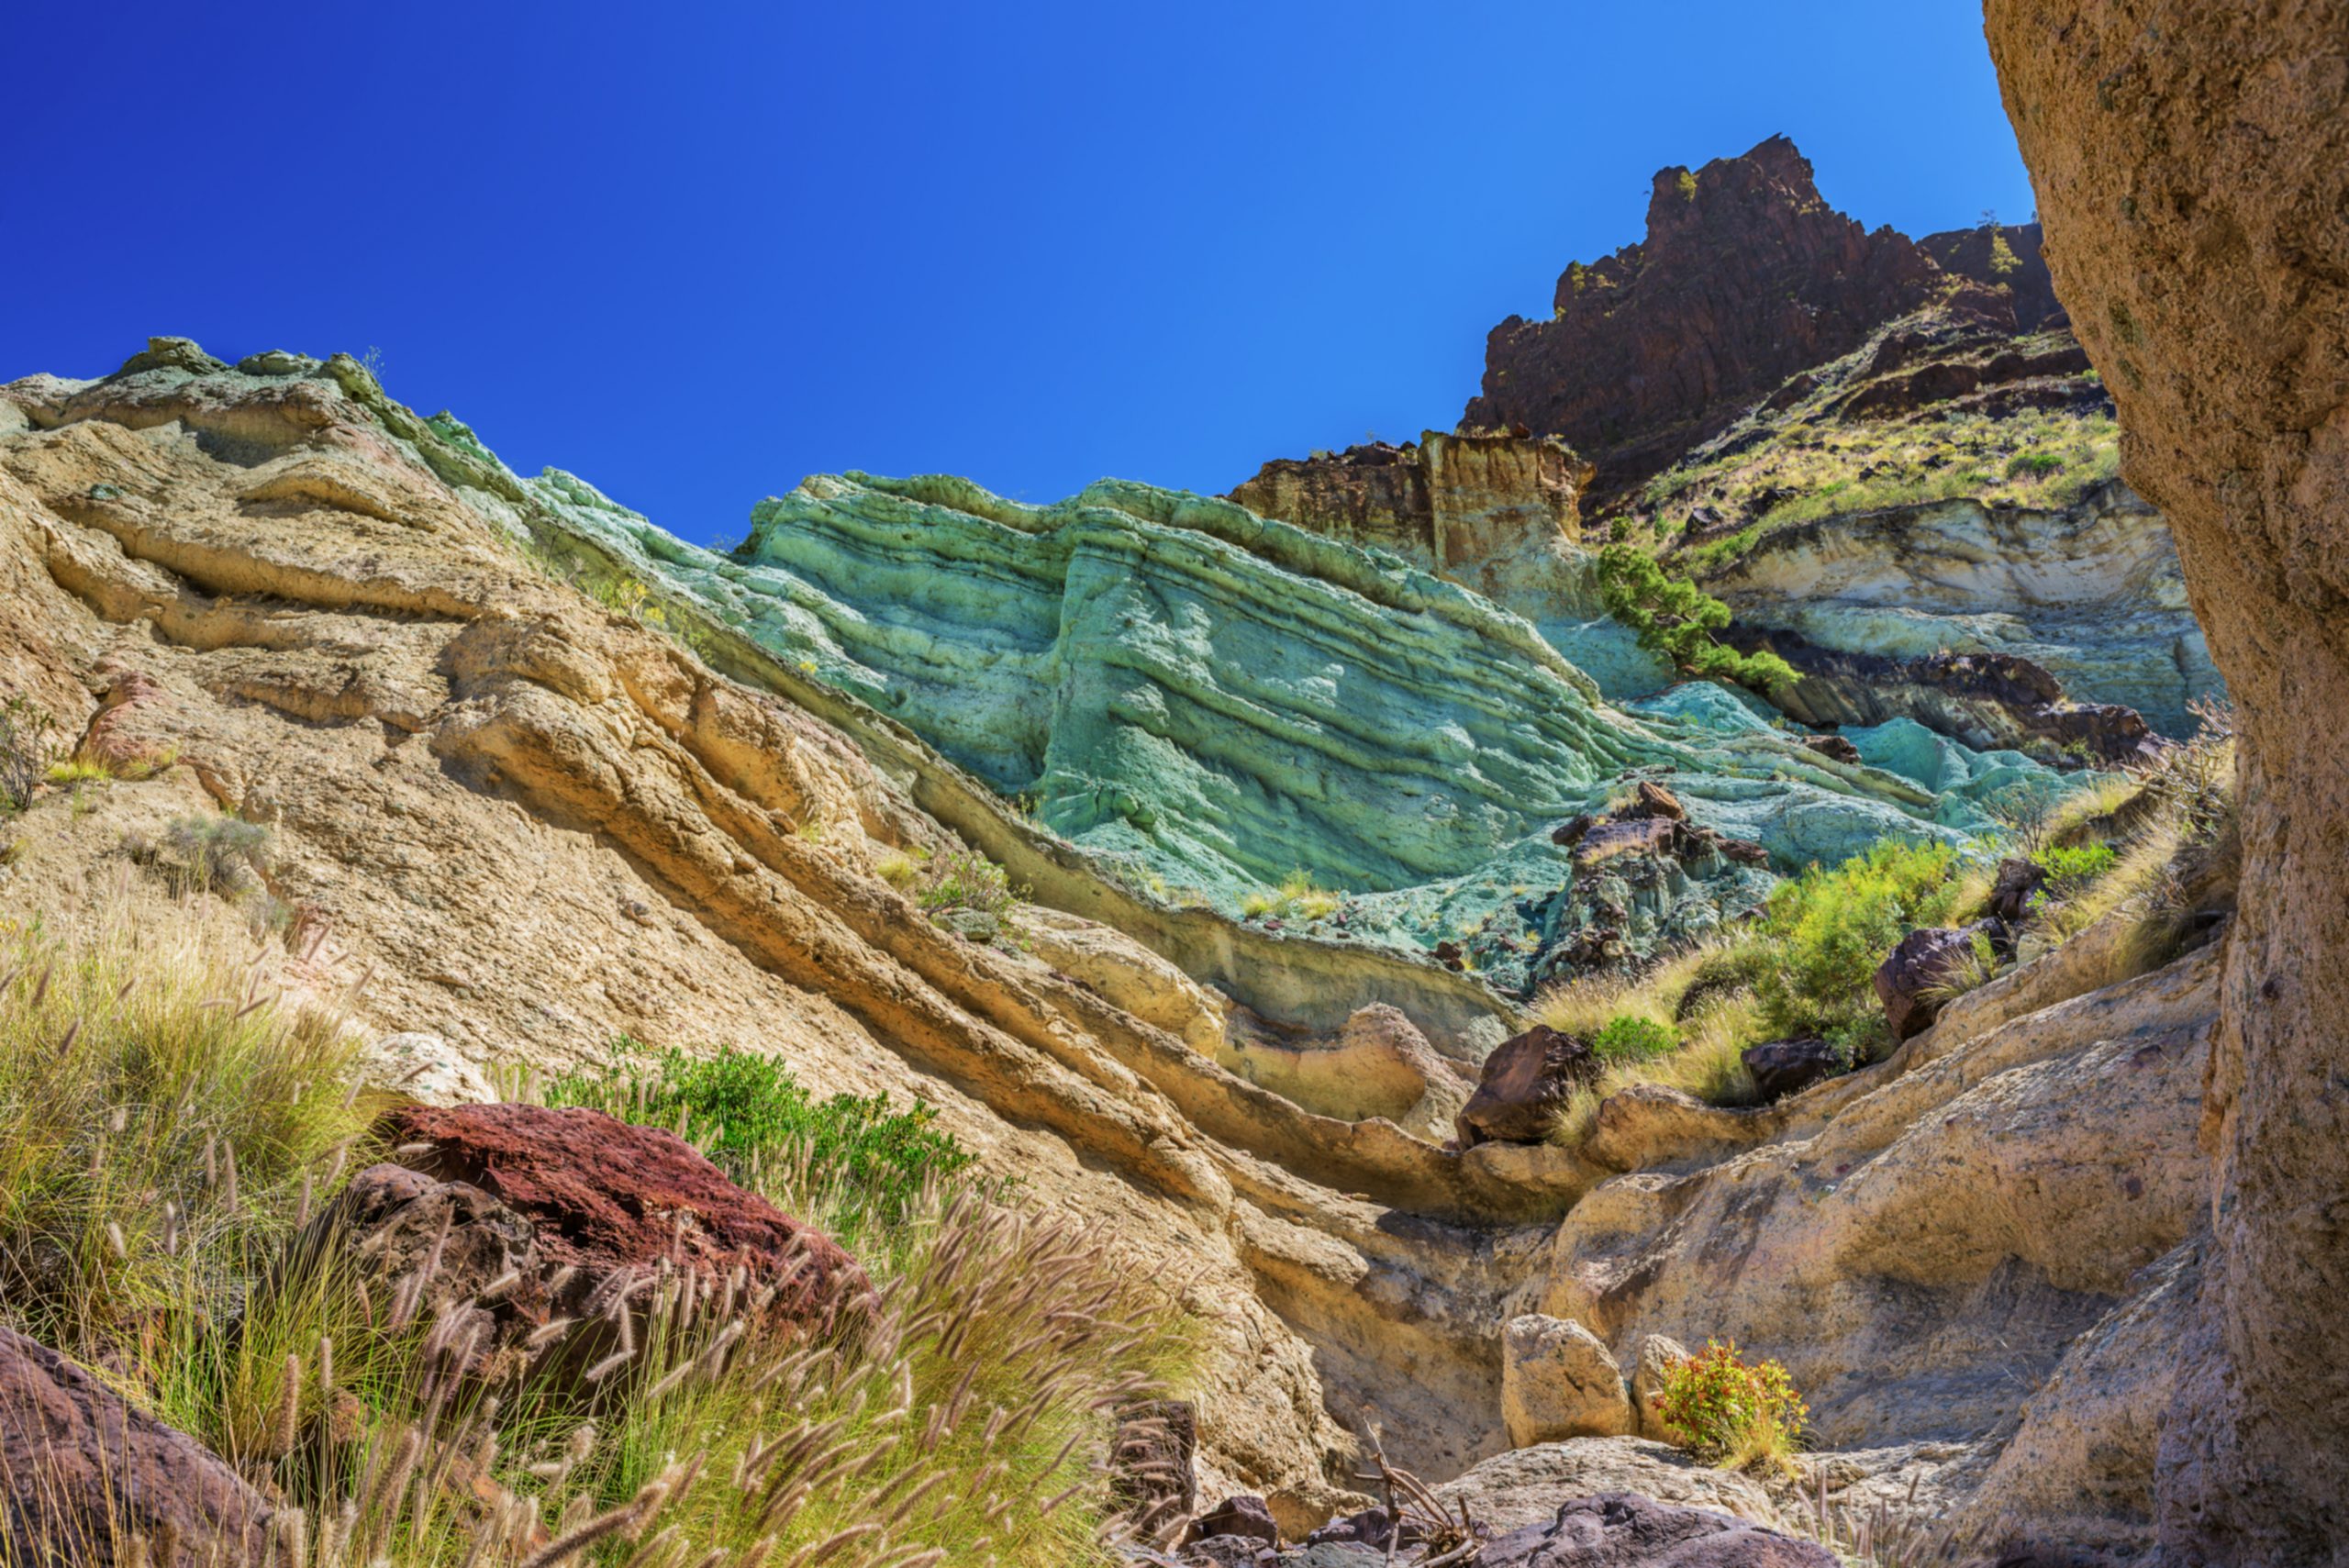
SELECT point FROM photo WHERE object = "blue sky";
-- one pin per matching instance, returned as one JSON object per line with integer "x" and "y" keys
{"x": 694, "y": 253}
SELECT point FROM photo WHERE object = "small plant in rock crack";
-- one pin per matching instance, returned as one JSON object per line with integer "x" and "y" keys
{"x": 1731, "y": 1412}
{"x": 221, "y": 854}
{"x": 965, "y": 879}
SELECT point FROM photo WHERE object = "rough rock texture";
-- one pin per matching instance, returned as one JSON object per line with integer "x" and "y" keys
{"x": 1930, "y": 1237}
{"x": 1746, "y": 277}
{"x": 1527, "y": 1486}
{"x": 608, "y": 1198}
{"x": 1248, "y": 1518}
{"x": 82, "y": 1473}
{"x": 424, "y": 1242}
{"x": 1970, "y": 253}
{"x": 1557, "y": 1382}
{"x": 1912, "y": 978}
{"x": 1783, "y": 1067}
{"x": 1447, "y": 504}
{"x": 1526, "y": 1084}
{"x": 2092, "y": 594}
{"x": 1989, "y": 701}
{"x": 2192, "y": 165}
{"x": 1379, "y": 1065}
{"x": 1626, "y": 1531}
{"x": 1659, "y": 1356}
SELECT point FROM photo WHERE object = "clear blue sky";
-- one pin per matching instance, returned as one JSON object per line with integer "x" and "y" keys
{"x": 695, "y": 251}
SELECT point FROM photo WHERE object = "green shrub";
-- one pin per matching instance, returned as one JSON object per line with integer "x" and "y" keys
{"x": 214, "y": 852}
{"x": 751, "y": 1117}
{"x": 1627, "y": 1037}
{"x": 1727, "y": 1412}
{"x": 1673, "y": 617}
{"x": 965, "y": 879}
{"x": 2071, "y": 867}
{"x": 1831, "y": 929}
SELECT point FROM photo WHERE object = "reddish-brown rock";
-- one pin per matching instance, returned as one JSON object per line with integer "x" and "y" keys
{"x": 1910, "y": 981}
{"x": 1746, "y": 276}
{"x": 2021, "y": 272}
{"x": 2191, "y": 162}
{"x": 1527, "y": 1081}
{"x": 604, "y": 1196}
{"x": 82, "y": 1473}
{"x": 1442, "y": 503}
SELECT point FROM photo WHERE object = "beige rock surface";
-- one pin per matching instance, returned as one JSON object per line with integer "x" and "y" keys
{"x": 1557, "y": 1382}
{"x": 1525, "y": 1485}
{"x": 2192, "y": 165}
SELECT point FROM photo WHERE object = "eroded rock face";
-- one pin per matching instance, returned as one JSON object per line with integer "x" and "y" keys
{"x": 82, "y": 1473}
{"x": 1527, "y": 1486}
{"x": 2192, "y": 166}
{"x": 1746, "y": 277}
{"x": 608, "y": 1198}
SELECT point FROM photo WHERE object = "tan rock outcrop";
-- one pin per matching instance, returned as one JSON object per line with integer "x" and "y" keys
{"x": 2192, "y": 166}
{"x": 1558, "y": 1382}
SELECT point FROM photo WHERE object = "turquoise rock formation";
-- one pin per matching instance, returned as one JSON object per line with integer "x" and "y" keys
{"x": 1215, "y": 702}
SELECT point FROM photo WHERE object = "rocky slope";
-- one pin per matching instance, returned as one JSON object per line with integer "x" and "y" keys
{"x": 518, "y": 823}
{"x": 2193, "y": 162}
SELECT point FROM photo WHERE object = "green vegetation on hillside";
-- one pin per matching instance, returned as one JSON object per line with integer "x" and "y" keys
{"x": 1676, "y": 619}
{"x": 168, "y": 1131}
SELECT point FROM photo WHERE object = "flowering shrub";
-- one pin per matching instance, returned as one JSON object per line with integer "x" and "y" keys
{"x": 1729, "y": 1412}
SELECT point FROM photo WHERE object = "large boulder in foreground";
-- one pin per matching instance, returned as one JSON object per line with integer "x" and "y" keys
{"x": 83, "y": 1475}
{"x": 604, "y": 1197}
{"x": 1623, "y": 1531}
{"x": 1527, "y": 1081}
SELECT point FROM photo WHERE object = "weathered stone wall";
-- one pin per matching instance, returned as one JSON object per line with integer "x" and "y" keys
{"x": 2192, "y": 165}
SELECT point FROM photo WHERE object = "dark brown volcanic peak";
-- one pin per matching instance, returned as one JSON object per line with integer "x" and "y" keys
{"x": 1746, "y": 276}
{"x": 1972, "y": 253}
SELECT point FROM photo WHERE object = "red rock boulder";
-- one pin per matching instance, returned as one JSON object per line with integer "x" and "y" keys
{"x": 84, "y": 1477}
{"x": 1526, "y": 1083}
{"x": 605, "y": 1197}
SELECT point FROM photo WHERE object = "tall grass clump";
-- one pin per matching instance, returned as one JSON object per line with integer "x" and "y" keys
{"x": 1681, "y": 1024}
{"x": 161, "y": 1119}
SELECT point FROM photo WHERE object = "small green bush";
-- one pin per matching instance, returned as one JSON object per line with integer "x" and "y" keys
{"x": 1831, "y": 929}
{"x": 214, "y": 852}
{"x": 752, "y": 1116}
{"x": 2070, "y": 868}
{"x": 1631, "y": 1037}
{"x": 965, "y": 879}
{"x": 1727, "y": 1412}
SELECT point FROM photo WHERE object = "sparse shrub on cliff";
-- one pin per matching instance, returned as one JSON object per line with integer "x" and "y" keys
{"x": 1732, "y": 1413}
{"x": 1673, "y": 618}
{"x": 1829, "y": 927}
{"x": 965, "y": 879}
{"x": 221, "y": 854}
{"x": 2071, "y": 867}
{"x": 27, "y": 747}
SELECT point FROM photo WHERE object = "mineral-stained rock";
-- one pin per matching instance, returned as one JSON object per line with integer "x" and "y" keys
{"x": 1782, "y": 1067}
{"x": 605, "y": 1196}
{"x": 81, "y": 1474}
{"x": 2192, "y": 166}
{"x": 1558, "y": 1380}
{"x": 1527, "y": 1081}
{"x": 1623, "y": 1531}
{"x": 1659, "y": 1357}
{"x": 1371, "y": 1526}
{"x": 2017, "y": 879}
{"x": 1246, "y": 1516}
{"x": 1153, "y": 1461}
{"x": 422, "y": 1243}
{"x": 1909, "y": 981}
{"x": 1834, "y": 746}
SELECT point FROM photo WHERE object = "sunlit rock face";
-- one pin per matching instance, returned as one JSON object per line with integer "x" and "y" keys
{"x": 2092, "y": 592}
{"x": 1215, "y": 702}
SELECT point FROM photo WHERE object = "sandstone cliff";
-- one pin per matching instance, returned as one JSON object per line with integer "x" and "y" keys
{"x": 2193, "y": 166}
